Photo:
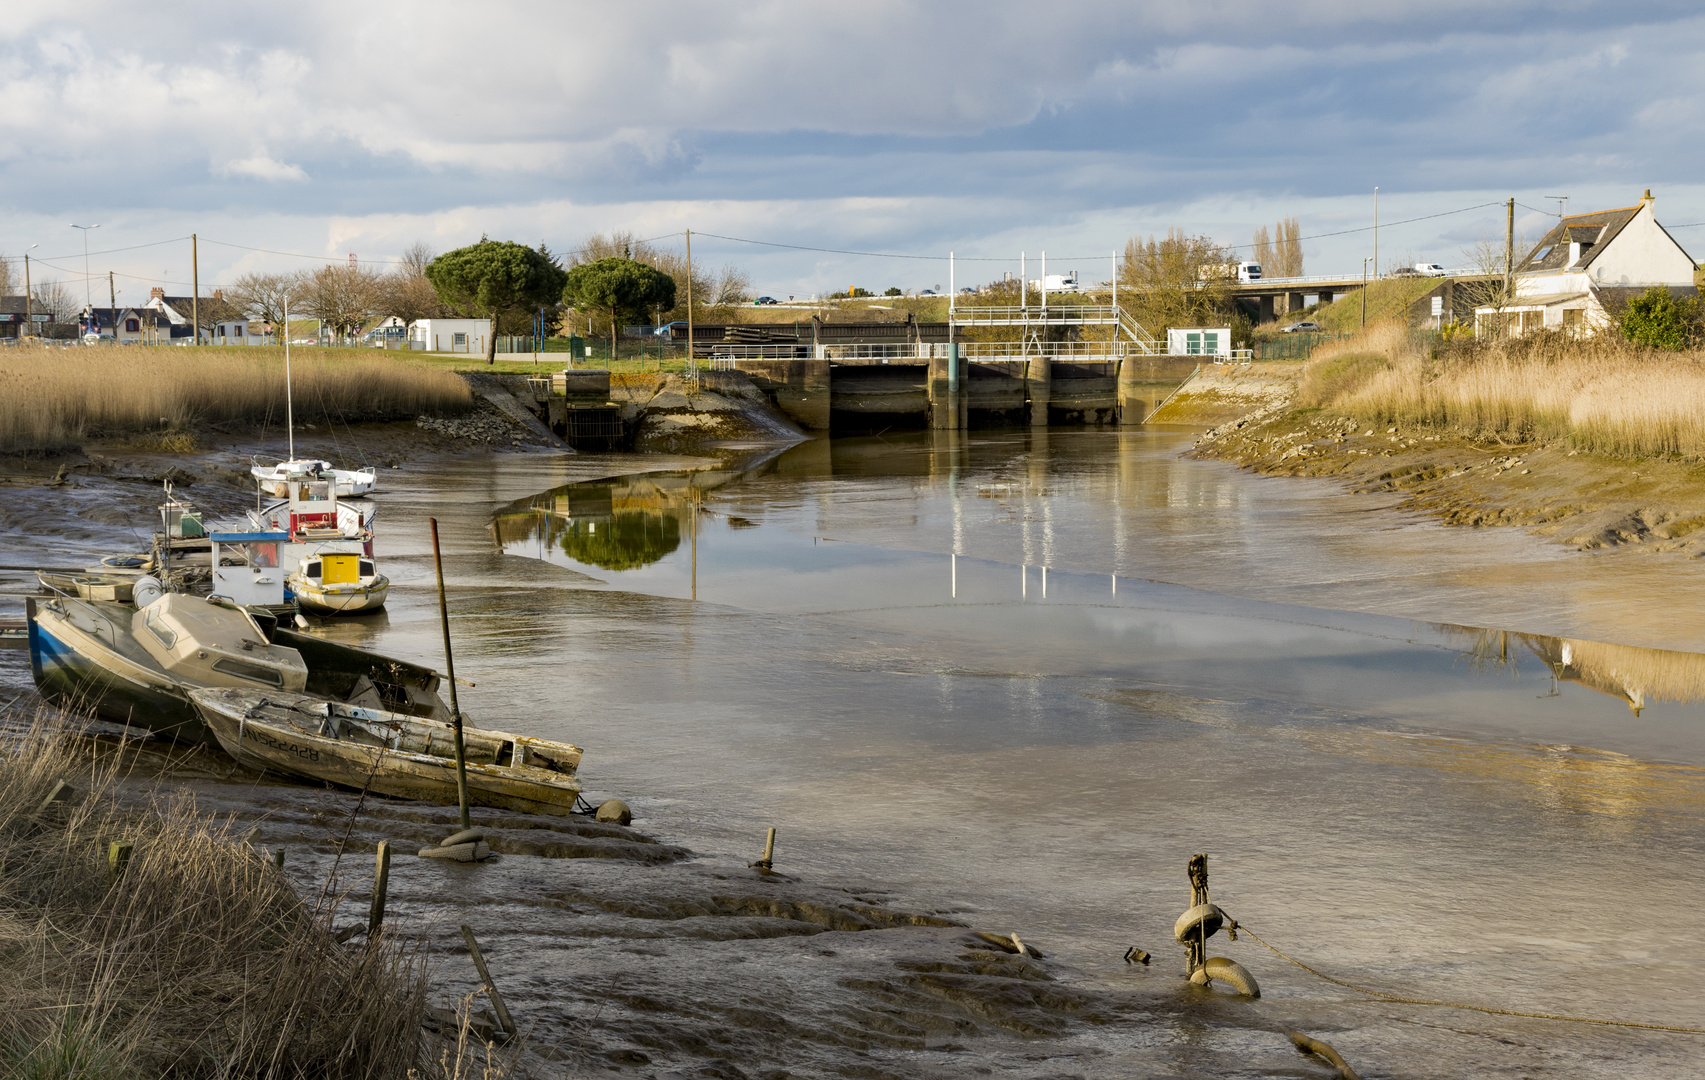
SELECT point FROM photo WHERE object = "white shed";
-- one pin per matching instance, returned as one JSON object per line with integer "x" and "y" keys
{"x": 1199, "y": 341}
{"x": 450, "y": 335}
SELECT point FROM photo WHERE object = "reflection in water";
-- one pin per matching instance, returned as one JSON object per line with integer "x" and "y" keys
{"x": 1629, "y": 672}
{"x": 619, "y": 524}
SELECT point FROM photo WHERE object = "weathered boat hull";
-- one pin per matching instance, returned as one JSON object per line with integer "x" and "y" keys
{"x": 74, "y": 669}
{"x": 339, "y": 600}
{"x": 284, "y": 748}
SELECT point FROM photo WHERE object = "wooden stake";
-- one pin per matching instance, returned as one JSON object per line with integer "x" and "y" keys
{"x": 503, "y": 1018}
{"x": 768, "y": 861}
{"x": 450, "y": 672}
{"x": 118, "y": 857}
{"x": 381, "y": 883}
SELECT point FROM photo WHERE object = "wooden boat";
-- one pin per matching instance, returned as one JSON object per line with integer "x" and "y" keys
{"x": 394, "y": 754}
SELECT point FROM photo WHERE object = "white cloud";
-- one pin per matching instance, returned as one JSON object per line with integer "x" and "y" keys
{"x": 260, "y": 166}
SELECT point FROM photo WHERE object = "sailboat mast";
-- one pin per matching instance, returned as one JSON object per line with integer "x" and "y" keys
{"x": 289, "y": 415}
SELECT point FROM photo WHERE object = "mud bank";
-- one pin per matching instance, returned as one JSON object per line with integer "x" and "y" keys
{"x": 1586, "y": 501}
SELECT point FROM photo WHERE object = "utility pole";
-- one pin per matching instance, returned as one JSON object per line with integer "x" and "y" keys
{"x": 1509, "y": 245}
{"x": 87, "y": 301}
{"x": 689, "y": 313}
{"x": 1375, "y": 239}
{"x": 195, "y": 283}
{"x": 29, "y": 298}
{"x": 112, "y": 298}
{"x": 1364, "y": 292}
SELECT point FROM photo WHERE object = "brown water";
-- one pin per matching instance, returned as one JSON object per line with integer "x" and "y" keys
{"x": 876, "y": 664}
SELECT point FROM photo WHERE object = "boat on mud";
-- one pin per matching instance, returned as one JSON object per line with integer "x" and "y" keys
{"x": 325, "y": 551}
{"x": 274, "y": 479}
{"x": 135, "y": 663}
{"x": 408, "y": 757}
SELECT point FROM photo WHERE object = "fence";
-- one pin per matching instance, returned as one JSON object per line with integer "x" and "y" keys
{"x": 1293, "y": 346}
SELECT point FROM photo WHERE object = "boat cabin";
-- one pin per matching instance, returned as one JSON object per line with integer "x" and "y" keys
{"x": 208, "y": 641}
{"x": 246, "y": 566}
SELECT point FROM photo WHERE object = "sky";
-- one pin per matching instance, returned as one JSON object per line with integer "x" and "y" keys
{"x": 317, "y": 130}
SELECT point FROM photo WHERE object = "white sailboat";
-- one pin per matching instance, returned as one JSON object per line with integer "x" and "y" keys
{"x": 350, "y": 482}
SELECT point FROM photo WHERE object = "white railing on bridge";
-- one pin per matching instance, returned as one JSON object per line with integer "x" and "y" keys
{"x": 1074, "y": 314}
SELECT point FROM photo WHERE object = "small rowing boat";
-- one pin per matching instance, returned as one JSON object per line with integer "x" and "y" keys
{"x": 408, "y": 757}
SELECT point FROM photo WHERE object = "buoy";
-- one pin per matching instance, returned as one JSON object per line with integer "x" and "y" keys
{"x": 1230, "y": 972}
{"x": 614, "y": 812}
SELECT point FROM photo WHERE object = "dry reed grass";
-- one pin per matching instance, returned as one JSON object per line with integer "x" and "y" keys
{"x": 201, "y": 960}
{"x": 53, "y": 397}
{"x": 1600, "y": 394}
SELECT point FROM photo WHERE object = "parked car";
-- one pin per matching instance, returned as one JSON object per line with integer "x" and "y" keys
{"x": 1431, "y": 270}
{"x": 1305, "y": 327}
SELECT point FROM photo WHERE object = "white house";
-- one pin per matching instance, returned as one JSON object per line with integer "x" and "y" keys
{"x": 231, "y": 328}
{"x": 450, "y": 335}
{"x": 1588, "y": 264}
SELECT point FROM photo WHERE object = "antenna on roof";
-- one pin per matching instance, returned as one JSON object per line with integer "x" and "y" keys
{"x": 1562, "y": 204}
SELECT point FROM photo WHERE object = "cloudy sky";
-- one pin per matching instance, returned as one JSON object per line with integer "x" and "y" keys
{"x": 327, "y": 128}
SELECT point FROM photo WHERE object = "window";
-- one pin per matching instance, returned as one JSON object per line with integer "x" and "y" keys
{"x": 242, "y": 669}
{"x": 131, "y": 326}
{"x": 458, "y": 341}
{"x": 157, "y": 626}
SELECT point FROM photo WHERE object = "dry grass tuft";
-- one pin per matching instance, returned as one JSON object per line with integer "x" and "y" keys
{"x": 201, "y": 960}
{"x": 55, "y": 397}
{"x": 1600, "y": 394}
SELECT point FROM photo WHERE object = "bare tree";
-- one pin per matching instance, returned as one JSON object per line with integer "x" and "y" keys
{"x": 415, "y": 258}
{"x": 55, "y": 299}
{"x": 1179, "y": 281}
{"x": 266, "y": 297}
{"x": 1261, "y": 251}
{"x": 719, "y": 294}
{"x": 1287, "y": 248}
{"x": 1493, "y": 284}
{"x": 406, "y": 292}
{"x": 5, "y": 276}
{"x": 341, "y": 297}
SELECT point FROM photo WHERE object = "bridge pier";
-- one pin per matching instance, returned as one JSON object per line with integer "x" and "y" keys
{"x": 1294, "y": 302}
{"x": 1039, "y": 387}
{"x": 1264, "y": 312}
{"x": 947, "y": 390}
{"x": 1326, "y": 296}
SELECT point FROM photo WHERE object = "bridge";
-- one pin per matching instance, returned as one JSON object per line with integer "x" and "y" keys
{"x": 1268, "y": 298}
{"x": 985, "y": 366}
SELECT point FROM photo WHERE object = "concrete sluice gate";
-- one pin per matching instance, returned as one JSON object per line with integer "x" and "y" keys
{"x": 846, "y": 397}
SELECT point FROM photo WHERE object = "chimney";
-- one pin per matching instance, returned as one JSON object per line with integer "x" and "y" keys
{"x": 1646, "y": 199}
{"x": 157, "y": 293}
{"x": 218, "y": 294}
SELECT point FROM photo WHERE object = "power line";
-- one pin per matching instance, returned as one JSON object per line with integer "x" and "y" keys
{"x": 108, "y": 251}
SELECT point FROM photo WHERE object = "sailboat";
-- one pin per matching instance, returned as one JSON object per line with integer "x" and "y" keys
{"x": 326, "y": 553}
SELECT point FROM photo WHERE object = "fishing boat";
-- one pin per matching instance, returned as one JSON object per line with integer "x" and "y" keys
{"x": 390, "y": 753}
{"x": 135, "y": 663}
{"x": 273, "y": 479}
{"x": 338, "y": 583}
{"x": 326, "y": 554}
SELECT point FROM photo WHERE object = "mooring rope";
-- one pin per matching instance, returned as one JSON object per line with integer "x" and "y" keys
{"x": 1462, "y": 1005}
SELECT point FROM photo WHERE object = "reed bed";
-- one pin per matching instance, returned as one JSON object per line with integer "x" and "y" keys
{"x": 55, "y": 397}
{"x": 1599, "y": 394}
{"x": 199, "y": 960}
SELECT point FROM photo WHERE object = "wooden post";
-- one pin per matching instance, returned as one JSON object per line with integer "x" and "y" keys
{"x": 195, "y": 281}
{"x": 690, "y": 304}
{"x": 381, "y": 883}
{"x": 118, "y": 857}
{"x": 503, "y": 1018}
{"x": 768, "y": 861}
{"x": 450, "y": 673}
{"x": 278, "y": 857}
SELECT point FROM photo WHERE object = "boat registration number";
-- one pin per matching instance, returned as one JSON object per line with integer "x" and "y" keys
{"x": 306, "y": 753}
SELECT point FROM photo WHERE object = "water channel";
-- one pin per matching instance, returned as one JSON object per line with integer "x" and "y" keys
{"x": 1020, "y": 678}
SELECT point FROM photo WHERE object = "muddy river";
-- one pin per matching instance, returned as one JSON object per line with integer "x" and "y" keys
{"x": 1012, "y": 682}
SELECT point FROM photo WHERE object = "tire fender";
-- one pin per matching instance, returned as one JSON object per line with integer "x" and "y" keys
{"x": 1230, "y": 972}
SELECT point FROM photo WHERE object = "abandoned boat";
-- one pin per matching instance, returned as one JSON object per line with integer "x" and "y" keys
{"x": 390, "y": 753}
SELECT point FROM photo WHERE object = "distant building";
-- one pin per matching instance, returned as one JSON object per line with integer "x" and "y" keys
{"x": 450, "y": 335}
{"x": 1589, "y": 266}
{"x": 127, "y": 325}
{"x": 13, "y": 310}
{"x": 223, "y": 323}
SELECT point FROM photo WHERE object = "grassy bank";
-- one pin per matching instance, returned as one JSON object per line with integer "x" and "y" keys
{"x": 1600, "y": 394}
{"x": 52, "y": 397}
{"x": 199, "y": 960}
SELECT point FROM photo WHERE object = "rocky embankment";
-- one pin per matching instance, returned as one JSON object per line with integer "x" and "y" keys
{"x": 1585, "y": 500}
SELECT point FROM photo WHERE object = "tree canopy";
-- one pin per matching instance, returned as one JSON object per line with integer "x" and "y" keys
{"x": 1657, "y": 319}
{"x": 494, "y": 278}
{"x": 617, "y": 286}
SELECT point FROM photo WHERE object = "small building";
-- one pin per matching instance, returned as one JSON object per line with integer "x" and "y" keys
{"x": 1199, "y": 341}
{"x": 1588, "y": 266}
{"x": 389, "y": 332}
{"x": 450, "y": 335}
{"x": 15, "y": 311}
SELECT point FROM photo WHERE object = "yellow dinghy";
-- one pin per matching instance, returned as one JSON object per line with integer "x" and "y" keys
{"x": 409, "y": 757}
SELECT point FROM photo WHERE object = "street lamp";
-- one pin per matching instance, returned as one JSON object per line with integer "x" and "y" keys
{"x": 86, "y": 298}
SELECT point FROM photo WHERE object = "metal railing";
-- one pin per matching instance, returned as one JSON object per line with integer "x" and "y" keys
{"x": 1067, "y": 314}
